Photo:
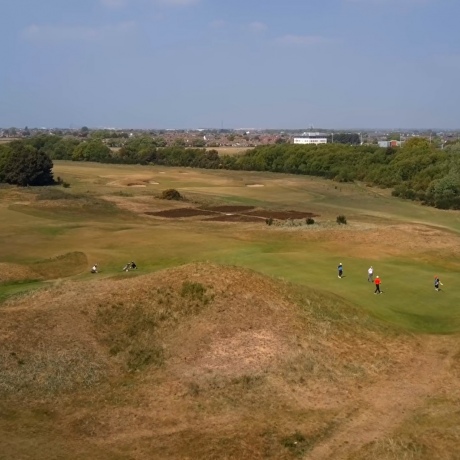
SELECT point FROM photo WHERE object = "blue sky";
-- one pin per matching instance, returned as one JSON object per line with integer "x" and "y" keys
{"x": 252, "y": 64}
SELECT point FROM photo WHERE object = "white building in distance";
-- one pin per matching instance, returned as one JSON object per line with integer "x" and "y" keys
{"x": 311, "y": 138}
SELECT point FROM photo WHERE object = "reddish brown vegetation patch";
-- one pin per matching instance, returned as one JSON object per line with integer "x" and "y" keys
{"x": 231, "y": 214}
{"x": 181, "y": 212}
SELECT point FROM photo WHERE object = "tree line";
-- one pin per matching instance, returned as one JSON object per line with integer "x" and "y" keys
{"x": 417, "y": 171}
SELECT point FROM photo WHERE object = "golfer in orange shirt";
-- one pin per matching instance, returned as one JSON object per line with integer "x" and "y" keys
{"x": 377, "y": 285}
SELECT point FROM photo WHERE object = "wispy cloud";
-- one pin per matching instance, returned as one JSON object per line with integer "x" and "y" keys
{"x": 257, "y": 26}
{"x": 74, "y": 33}
{"x": 303, "y": 40}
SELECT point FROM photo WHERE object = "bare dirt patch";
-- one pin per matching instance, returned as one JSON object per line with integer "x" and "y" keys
{"x": 255, "y": 185}
{"x": 243, "y": 352}
{"x": 231, "y": 214}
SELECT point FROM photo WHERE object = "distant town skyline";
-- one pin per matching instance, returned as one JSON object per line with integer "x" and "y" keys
{"x": 189, "y": 64}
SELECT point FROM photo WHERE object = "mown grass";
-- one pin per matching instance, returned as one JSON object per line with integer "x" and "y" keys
{"x": 10, "y": 290}
{"x": 409, "y": 299}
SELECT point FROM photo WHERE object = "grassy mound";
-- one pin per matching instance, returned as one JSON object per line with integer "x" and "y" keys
{"x": 71, "y": 263}
{"x": 200, "y": 361}
{"x": 51, "y": 202}
{"x": 61, "y": 266}
{"x": 13, "y": 273}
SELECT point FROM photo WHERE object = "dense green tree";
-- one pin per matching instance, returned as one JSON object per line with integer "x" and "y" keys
{"x": 138, "y": 150}
{"x": 4, "y": 152}
{"x": 63, "y": 149}
{"x": 93, "y": 150}
{"x": 444, "y": 193}
{"x": 22, "y": 164}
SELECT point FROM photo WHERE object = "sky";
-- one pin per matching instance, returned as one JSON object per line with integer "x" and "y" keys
{"x": 336, "y": 64}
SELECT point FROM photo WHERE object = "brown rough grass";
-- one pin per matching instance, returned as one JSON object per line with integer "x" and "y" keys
{"x": 203, "y": 361}
{"x": 16, "y": 272}
{"x": 61, "y": 266}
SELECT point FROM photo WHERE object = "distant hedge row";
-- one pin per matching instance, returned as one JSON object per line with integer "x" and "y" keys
{"x": 416, "y": 171}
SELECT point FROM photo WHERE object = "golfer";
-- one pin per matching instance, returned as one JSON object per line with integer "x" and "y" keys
{"x": 340, "y": 270}
{"x": 437, "y": 283}
{"x": 377, "y": 285}
{"x": 370, "y": 274}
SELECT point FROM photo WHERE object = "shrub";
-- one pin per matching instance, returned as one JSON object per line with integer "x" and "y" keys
{"x": 269, "y": 221}
{"x": 171, "y": 194}
{"x": 404, "y": 192}
{"x": 53, "y": 194}
{"x": 341, "y": 219}
{"x": 61, "y": 181}
{"x": 310, "y": 221}
{"x": 193, "y": 290}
